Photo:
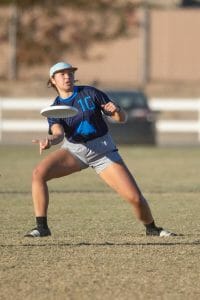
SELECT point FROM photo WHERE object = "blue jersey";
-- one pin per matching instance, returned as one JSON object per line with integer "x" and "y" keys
{"x": 89, "y": 123}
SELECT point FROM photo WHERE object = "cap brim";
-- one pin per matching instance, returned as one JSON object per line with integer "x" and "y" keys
{"x": 72, "y": 68}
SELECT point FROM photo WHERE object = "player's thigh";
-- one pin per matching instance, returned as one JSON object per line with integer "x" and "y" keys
{"x": 118, "y": 177}
{"x": 57, "y": 164}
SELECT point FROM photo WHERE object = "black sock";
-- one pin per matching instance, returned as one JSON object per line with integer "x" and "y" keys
{"x": 150, "y": 226}
{"x": 41, "y": 222}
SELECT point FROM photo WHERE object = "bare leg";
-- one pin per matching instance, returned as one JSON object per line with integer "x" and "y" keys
{"x": 57, "y": 164}
{"x": 118, "y": 177}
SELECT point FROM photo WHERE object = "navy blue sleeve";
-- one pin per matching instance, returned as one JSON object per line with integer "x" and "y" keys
{"x": 53, "y": 121}
{"x": 102, "y": 98}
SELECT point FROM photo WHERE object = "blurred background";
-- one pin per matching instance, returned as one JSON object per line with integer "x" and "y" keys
{"x": 145, "y": 52}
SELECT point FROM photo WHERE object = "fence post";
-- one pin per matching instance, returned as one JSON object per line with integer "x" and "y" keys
{"x": 12, "y": 70}
{"x": 1, "y": 122}
{"x": 144, "y": 45}
{"x": 199, "y": 120}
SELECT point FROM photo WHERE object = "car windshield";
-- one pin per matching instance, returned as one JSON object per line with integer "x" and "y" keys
{"x": 128, "y": 100}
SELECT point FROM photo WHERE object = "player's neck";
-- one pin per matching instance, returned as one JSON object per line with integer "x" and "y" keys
{"x": 65, "y": 94}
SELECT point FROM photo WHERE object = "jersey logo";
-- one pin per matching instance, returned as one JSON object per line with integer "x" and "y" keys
{"x": 85, "y": 128}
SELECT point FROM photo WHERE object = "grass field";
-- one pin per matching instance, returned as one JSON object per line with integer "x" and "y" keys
{"x": 98, "y": 251}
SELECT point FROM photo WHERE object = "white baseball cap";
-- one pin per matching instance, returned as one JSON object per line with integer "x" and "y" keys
{"x": 59, "y": 67}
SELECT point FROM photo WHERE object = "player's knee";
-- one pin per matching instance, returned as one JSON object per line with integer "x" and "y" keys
{"x": 38, "y": 174}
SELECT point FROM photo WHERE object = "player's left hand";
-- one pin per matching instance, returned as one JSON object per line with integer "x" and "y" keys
{"x": 110, "y": 108}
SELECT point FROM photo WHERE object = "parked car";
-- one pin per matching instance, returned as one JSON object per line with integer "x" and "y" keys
{"x": 190, "y": 3}
{"x": 140, "y": 125}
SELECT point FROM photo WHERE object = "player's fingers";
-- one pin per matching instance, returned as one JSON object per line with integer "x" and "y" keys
{"x": 105, "y": 106}
{"x": 108, "y": 105}
{"x": 35, "y": 141}
{"x": 46, "y": 141}
{"x": 40, "y": 150}
{"x": 43, "y": 145}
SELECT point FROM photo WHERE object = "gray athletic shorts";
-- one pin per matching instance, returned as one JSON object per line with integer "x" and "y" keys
{"x": 98, "y": 153}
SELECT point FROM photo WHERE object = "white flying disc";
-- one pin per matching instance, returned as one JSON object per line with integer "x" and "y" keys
{"x": 59, "y": 111}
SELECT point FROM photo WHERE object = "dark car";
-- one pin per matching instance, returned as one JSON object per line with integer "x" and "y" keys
{"x": 189, "y": 3}
{"x": 140, "y": 125}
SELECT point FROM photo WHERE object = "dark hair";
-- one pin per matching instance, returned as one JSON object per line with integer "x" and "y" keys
{"x": 50, "y": 84}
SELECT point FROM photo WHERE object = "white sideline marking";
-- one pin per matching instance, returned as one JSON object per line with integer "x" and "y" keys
{"x": 178, "y": 126}
{"x": 23, "y": 126}
{"x": 166, "y": 104}
{"x": 155, "y": 103}
{"x": 25, "y": 104}
{"x": 42, "y": 126}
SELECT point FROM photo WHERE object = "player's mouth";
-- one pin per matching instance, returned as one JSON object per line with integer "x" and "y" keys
{"x": 68, "y": 83}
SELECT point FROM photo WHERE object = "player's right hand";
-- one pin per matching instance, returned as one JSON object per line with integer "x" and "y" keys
{"x": 43, "y": 144}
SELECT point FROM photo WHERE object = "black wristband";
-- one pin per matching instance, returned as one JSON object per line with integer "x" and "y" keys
{"x": 118, "y": 108}
{"x": 49, "y": 143}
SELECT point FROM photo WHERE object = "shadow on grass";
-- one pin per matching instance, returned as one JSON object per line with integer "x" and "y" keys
{"x": 74, "y": 191}
{"x": 68, "y": 191}
{"x": 107, "y": 244}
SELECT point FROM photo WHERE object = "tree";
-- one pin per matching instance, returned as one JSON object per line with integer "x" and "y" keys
{"x": 45, "y": 30}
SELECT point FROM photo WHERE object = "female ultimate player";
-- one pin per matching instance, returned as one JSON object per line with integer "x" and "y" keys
{"x": 87, "y": 143}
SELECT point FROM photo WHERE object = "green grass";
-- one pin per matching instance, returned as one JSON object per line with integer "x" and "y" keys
{"x": 97, "y": 249}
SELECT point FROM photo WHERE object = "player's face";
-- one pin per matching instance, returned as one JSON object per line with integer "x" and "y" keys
{"x": 64, "y": 80}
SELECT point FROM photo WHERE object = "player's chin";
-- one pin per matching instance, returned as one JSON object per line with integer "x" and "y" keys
{"x": 68, "y": 86}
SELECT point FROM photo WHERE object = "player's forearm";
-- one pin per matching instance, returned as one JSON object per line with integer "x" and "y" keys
{"x": 120, "y": 116}
{"x": 57, "y": 135}
{"x": 55, "y": 139}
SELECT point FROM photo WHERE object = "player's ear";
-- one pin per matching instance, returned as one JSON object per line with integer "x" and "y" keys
{"x": 52, "y": 80}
